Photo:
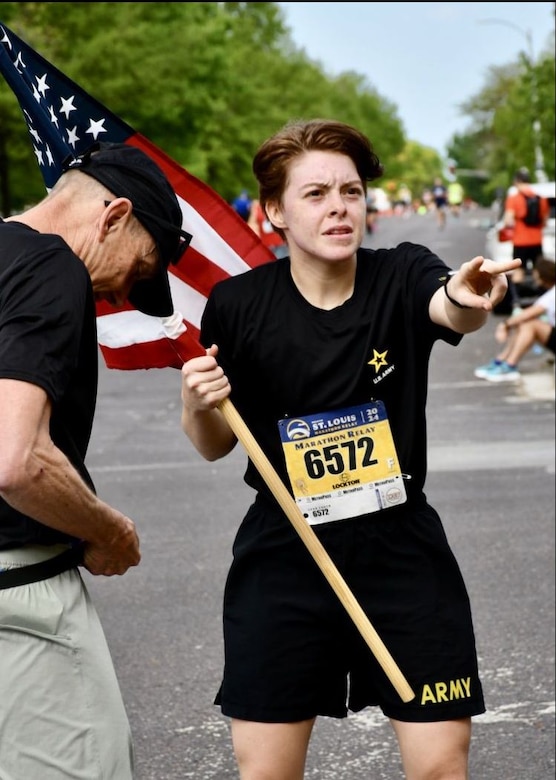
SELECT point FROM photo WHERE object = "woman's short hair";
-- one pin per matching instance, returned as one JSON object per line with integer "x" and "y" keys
{"x": 272, "y": 160}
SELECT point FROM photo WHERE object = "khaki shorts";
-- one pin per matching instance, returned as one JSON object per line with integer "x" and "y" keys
{"x": 61, "y": 710}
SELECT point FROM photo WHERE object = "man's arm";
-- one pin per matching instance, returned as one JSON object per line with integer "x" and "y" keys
{"x": 38, "y": 480}
{"x": 508, "y": 217}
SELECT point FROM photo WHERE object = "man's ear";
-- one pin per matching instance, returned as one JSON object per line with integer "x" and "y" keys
{"x": 116, "y": 215}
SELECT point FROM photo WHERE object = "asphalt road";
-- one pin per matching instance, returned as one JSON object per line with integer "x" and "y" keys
{"x": 491, "y": 477}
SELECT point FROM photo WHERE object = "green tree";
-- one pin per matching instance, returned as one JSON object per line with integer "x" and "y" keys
{"x": 416, "y": 166}
{"x": 204, "y": 81}
{"x": 207, "y": 82}
{"x": 469, "y": 154}
{"x": 502, "y": 115}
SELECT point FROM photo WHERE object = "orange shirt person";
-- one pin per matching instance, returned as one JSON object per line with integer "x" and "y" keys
{"x": 527, "y": 239}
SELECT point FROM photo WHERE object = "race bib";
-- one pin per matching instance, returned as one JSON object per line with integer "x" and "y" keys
{"x": 342, "y": 463}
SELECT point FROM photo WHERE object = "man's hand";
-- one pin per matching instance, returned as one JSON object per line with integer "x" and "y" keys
{"x": 117, "y": 554}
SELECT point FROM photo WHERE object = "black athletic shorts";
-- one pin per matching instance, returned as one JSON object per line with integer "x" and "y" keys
{"x": 292, "y": 651}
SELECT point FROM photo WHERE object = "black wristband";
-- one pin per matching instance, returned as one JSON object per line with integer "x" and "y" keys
{"x": 455, "y": 303}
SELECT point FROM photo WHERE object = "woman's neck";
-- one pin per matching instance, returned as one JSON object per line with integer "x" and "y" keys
{"x": 325, "y": 285}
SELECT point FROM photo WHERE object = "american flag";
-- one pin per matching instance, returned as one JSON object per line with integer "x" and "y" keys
{"x": 64, "y": 121}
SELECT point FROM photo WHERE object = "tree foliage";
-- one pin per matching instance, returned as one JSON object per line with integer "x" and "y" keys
{"x": 208, "y": 82}
{"x": 515, "y": 99}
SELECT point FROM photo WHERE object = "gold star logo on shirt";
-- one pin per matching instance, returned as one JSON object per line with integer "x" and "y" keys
{"x": 379, "y": 360}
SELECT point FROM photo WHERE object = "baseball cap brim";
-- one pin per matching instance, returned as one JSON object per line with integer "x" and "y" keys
{"x": 153, "y": 296}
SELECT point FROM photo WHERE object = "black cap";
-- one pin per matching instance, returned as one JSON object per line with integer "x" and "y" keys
{"x": 128, "y": 172}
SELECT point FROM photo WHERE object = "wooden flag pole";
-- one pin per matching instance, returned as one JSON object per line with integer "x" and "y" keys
{"x": 313, "y": 544}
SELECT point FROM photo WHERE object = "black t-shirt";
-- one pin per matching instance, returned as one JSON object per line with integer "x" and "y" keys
{"x": 287, "y": 358}
{"x": 48, "y": 338}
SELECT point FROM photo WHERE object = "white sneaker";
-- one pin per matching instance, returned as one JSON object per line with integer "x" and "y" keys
{"x": 481, "y": 372}
{"x": 503, "y": 373}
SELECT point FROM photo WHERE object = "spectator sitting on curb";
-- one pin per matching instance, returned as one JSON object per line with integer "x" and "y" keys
{"x": 533, "y": 325}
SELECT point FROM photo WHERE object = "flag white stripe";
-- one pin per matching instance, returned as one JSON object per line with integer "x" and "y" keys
{"x": 124, "y": 328}
{"x": 186, "y": 299}
{"x": 208, "y": 242}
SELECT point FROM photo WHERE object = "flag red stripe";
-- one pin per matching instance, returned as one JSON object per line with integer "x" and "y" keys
{"x": 198, "y": 271}
{"x": 152, "y": 354}
{"x": 162, "y": 353}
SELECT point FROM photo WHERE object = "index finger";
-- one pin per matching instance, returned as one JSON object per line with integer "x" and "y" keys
{"x": 500, "y": 267}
